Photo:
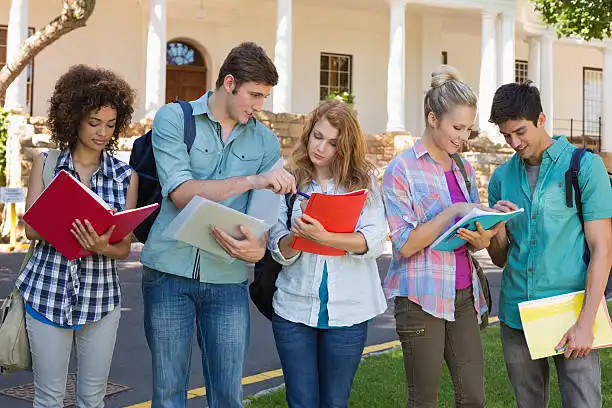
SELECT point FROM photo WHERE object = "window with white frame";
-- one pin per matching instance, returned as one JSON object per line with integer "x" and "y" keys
{"x": 521, "y": 71}
{"x": 336, "y": 74}
{"x": 592, "y": 81}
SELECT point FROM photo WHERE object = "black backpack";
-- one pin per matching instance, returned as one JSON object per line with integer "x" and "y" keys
{"x": 266, "y": 272}
{"x": 571, "y": 185}
{"x": 142, "y": 162}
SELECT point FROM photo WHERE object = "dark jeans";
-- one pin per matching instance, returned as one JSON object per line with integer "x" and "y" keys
{"x": 173, "y": 308}
{"x": 579, "y": 378}
{"x": 426, "y": 340}
{"x": 318, "y": 364}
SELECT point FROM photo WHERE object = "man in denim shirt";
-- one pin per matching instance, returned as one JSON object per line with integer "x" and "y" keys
{"x": 542, "y": 249}
{"x": 231, "y": 155}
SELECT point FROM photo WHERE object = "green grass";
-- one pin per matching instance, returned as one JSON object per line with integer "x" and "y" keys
{"x": 380, "y": 381}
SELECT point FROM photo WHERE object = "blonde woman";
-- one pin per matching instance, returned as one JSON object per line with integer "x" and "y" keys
{"x": 438, "y": 300}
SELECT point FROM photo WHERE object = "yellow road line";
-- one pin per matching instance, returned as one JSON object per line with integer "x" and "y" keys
{"x": 380, "y": 347}
{"x": 268, "y": 375}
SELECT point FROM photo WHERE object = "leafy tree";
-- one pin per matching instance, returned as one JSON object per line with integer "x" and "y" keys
{"x": 587, "y": 19}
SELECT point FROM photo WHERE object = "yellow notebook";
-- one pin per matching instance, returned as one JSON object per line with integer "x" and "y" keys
{"x": 545, "y": 321}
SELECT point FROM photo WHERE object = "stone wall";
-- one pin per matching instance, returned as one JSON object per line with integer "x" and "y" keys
{"x": 381, "y": 148}
{"x": 289, "y": 127}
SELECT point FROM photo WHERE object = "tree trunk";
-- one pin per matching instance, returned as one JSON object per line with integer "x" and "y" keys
{"x": 74, "y": 15}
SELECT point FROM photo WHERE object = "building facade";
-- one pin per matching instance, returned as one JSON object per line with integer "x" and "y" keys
{"x": 381, "y": 51}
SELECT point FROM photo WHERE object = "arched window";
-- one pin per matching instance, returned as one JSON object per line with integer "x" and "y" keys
{"x": 180, "y": 53}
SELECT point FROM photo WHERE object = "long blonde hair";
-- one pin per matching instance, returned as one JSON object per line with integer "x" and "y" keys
{"x": 350, "y": 167}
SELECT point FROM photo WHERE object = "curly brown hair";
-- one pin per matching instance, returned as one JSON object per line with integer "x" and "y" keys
{"x": 83, "y": 90}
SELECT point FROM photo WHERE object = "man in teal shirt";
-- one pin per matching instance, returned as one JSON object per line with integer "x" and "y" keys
{"x": 184, "y": 288}
{"x": 542, "y": 249}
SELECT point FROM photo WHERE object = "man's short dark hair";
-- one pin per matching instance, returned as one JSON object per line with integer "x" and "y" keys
{"x": 516, "y": 102}
{"x": 248, "y": 62}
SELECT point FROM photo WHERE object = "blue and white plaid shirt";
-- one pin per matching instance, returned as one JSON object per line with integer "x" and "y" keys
{"x": 84, "y": 290}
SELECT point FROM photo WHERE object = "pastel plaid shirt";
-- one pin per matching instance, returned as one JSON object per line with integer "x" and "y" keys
{"x": 85, "y": 290}
{"x": 414, "y": 192}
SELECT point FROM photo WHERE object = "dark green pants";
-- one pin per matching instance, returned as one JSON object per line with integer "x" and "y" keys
{"x": 427, "y": 340}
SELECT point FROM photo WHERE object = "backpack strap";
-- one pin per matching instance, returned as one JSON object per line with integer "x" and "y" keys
{"x": 459, "y": 162}
{"x": 189, "y": 124}
{"x": 49, "y": 166}
{"x": 571, "y": 182}
{"x": 48, "y": 172}
{"x": 289, "y": 200}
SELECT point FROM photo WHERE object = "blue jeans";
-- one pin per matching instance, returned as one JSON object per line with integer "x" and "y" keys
{"x": 173, "y": 307}
{"x": 318, "y": 364}
{"x": 579, "y": 378}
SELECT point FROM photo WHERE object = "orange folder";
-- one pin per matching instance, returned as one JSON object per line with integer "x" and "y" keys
{"x": 66, "y": 200}
{"x": 337, "y": 213}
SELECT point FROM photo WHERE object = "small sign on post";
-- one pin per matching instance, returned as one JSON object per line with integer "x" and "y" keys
{"x": 13, "y": 195}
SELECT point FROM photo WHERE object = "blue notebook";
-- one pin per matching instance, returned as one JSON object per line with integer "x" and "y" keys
{"x": 449, "y": 241}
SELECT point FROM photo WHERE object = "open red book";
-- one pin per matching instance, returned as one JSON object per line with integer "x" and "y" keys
{"x": 66, "y": 200}
{"x": 337, "y": 213}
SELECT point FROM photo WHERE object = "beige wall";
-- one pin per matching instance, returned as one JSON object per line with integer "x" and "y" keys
{"x": 216, "y": 29}
{"x": 110, "y": 39}
{"x": 429, "y": 32}
{"x": 569, "y": 61}
{"x": 364, "y": 34}
{"x": 117, "y": 40}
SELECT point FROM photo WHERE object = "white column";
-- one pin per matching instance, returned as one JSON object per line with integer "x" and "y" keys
{"x": 432, "y": 43}
{"x": 547, "y": 80}
{"x": 16, "y": 36}
{"x": 534, "y": 60}
{"x": 396, "y": 69}
{"x": 281, "y": 96}
{"x": 606, "y": 101}
{"x": 155, "y": 95}
{"x": 488, "y": 70}
{"x": 507, "y": 49}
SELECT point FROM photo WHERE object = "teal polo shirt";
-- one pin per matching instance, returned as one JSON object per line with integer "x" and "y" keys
{"x": 547, "y": 240}
{"x": 251, "y": 148}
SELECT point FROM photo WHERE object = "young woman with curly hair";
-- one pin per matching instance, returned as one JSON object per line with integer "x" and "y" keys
{"x": 79, "y": 301}
{"x": 323, "y": 303}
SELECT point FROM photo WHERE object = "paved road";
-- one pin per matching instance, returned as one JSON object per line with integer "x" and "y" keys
{"x": 131, "y": 364}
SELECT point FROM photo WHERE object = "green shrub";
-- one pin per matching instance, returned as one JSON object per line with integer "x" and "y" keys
{"x": 345, "y": 96}
{"x": 3, "y": 138}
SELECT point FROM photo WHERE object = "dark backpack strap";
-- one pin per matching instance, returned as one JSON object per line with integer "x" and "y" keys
{"x": 463, "y": 171}
{"x": 189, "y": 123}
{"x": 571, "y": 183}
{"x": 289, "y": 200}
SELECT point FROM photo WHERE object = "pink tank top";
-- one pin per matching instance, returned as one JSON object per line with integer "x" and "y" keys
{"x": 463, "y": 278}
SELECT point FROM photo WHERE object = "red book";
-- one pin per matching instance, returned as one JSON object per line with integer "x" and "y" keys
{"x": 337, "y": 213}
{"x": 66, "y": 200}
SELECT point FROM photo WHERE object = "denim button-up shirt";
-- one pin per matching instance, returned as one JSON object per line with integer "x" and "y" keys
{"x": 251, "y": 148}
{"x": 354, "y": 287}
